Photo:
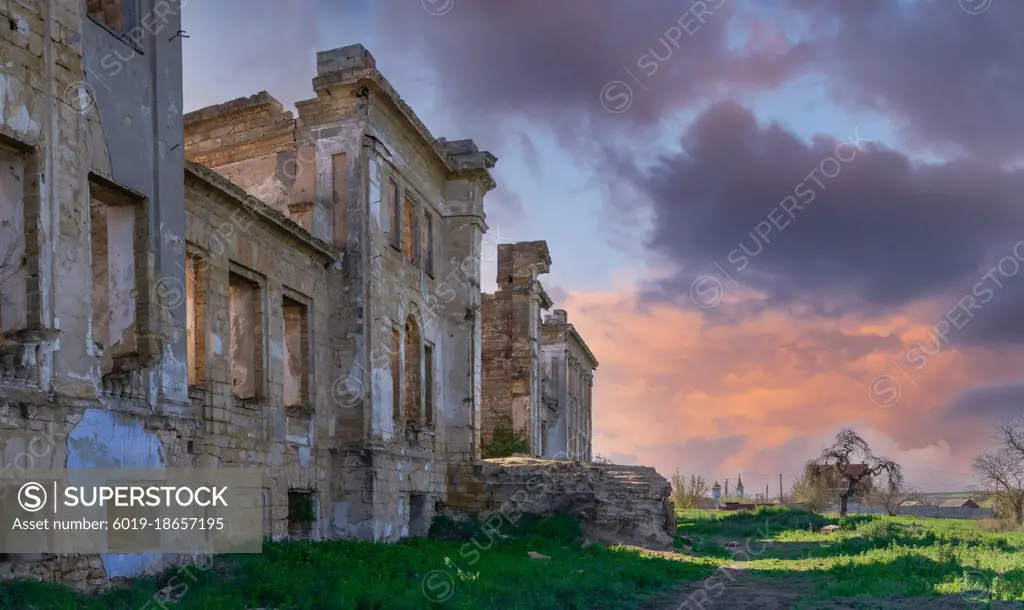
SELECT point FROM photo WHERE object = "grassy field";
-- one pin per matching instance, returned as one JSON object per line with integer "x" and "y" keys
{"x": 769, "y": 559}
{"x": 873, "y": 561}
{"x": 462, "y": 567}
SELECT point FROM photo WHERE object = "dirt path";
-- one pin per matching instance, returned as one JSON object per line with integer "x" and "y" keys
{"x": 733, "y": 587}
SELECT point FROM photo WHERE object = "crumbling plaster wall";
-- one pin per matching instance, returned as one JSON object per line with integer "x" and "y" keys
{"x": 355, "y": 113}
{"x": 288, "y": 442}
{"x": 132, "y": 103}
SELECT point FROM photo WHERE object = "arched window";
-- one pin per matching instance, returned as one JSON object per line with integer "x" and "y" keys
{"x": 412, "y": 384}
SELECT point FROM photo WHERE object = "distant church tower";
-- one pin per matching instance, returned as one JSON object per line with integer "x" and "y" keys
{"x": 739, "y": 486}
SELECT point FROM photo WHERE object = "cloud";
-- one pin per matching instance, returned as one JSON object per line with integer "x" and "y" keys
{"x": 833, "y": 221}
{"x": 952, "y": 79}
{"x": 765, "y": 396}
{"x": 552, "y": 61}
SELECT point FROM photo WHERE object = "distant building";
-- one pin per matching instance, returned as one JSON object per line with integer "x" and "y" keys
{"x": 716, "y": 493}
{"x": 739, "y": 486}
{"x": 959, "y": 503}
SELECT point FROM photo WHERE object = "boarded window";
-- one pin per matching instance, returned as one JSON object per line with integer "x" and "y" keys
{"x": 195, "y": 319}
{"x": 296, "y": 353}
{"x": 396, "y": 373}
{"x": 246, "y": 336}
{"x": 113, "y": 240}
{"x": 395, "y": 209}
{"x": 13, "y": 286}
{"x": 411, "y": 243}
{"x": 428, "y": 382}
{"x": 411, "y": 390}
{"x": 428, "y": 242}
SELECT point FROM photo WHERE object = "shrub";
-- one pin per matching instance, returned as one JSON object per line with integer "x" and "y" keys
{"x": 505, "y": 440}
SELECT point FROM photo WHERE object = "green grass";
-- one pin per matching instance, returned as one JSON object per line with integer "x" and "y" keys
{"x": 871, "y": 559}
{"x": 469, "y": 569}
{"x": 871, "y": 556}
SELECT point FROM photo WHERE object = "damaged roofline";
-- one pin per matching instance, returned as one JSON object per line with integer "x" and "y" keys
{"x": 476, "y": 163}
{"x": 261, "y": 210}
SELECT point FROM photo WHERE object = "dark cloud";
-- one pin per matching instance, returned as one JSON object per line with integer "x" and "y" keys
{"x": 881, "y": 231}
{"x": 548, "y": 61}
{"x": 993, "y": 403}
{"x": 952, "y": 79}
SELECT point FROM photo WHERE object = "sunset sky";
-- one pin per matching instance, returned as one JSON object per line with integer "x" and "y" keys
{"x": 769, "y": 220}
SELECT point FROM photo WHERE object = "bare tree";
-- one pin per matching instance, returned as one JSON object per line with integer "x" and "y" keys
{"x": 836, "y": 460}
{"x": 1003, "y": 469}
{"x": 686, "y": 492}
{"x": 891, "y": 495}
{"x": 811, "y": 489}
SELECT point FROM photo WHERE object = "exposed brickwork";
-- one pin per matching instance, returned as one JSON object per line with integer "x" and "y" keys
{"x": 538, "y": 376}
{"x": 511, "y": 342}
{"x": 618, "y": 504}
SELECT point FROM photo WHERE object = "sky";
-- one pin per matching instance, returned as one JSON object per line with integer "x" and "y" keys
{"x": 769, "y": 220}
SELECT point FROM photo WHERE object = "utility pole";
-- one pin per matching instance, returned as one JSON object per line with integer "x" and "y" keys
{"x": 726, "y": 489}
{"x": 780, "y": 488}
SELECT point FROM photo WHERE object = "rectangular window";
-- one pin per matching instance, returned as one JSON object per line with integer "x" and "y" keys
{"x": 195, "y": 319}
{"x": 418, "y": 521}
{"x": 118, "y": 15}
{"x": 396, "y": 373}
{"x": 395, "y": 208}
{"x": 339, "y": 182}
{"x": 13, "y": 279}
{"x": 428, "y": 241}
{"x": 411, "y": 243}
{"x": 246, "y": 336}
{"x": 302, "y": 514}
{"x": 114, "y": 240}
{"x": 428, "y": 380}
{"x": 296, "y": 353}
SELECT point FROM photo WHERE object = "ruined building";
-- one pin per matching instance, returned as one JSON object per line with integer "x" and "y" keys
{"x": 568, "y": 368}
{"x": 538, "y": 375}
{"x": 301, "y": 294}
{"x": 398, "y": 380}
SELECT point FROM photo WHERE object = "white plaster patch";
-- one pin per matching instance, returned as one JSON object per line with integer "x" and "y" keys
{"x": 304, "y": 457}
{"x": 216, "y": 344}
{"x": 174, "y": 374}
{"x": 22, "y": 25}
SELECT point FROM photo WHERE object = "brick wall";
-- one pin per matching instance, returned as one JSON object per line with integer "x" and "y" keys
{"x": 227, "y": 236}
{"x": 510, "y": 342}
